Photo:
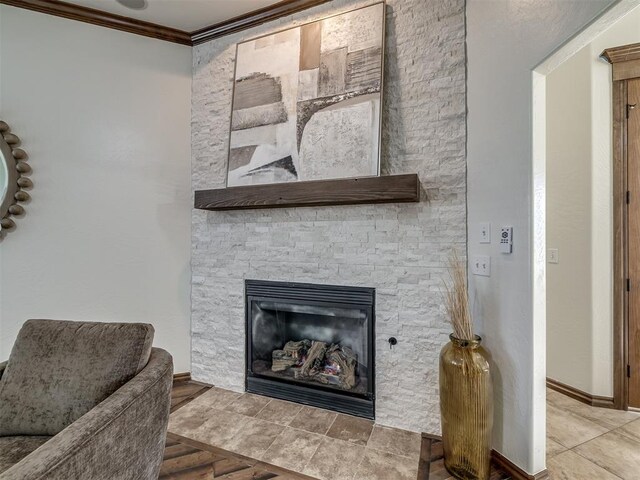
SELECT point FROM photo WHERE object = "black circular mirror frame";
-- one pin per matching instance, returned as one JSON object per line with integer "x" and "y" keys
{"x": 15, "y": 160}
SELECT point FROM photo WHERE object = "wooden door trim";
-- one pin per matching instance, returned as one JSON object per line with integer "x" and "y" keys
{"x": 625, "y": 61}
{"x": 623, "y": 53}
{"x": 620, "y": 310}
{"x": 626, "y": 70}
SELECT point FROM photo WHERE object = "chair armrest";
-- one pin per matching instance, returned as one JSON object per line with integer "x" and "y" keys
{"x": 3, "y": 365}
{"x": 123, "y": 437}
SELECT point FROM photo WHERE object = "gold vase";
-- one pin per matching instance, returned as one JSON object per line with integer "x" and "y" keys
{"x": 466, "y": 405}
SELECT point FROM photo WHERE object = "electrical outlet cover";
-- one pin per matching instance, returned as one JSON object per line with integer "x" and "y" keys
{"x": 481, "y": 265}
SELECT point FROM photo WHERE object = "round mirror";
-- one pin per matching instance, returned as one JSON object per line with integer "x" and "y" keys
{"x": 4, "y": 178}
{"x": 13, "y": 180}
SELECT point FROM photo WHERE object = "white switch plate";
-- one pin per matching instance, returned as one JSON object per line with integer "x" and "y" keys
{"x": 485, "y": 232}
{"x": 552, "y": 255}
{"x": 481, "y": 265}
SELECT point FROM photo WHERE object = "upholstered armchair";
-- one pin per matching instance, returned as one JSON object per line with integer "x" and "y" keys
{"x": 86, "y": 401}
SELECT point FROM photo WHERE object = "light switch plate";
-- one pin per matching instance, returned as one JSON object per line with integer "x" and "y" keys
{"x": 552, "y": 256}
{"x": 481, "y": 265}
{"x": 484, "y": 232}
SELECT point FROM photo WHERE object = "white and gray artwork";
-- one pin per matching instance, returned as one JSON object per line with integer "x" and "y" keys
{"x": 306, "y": 101}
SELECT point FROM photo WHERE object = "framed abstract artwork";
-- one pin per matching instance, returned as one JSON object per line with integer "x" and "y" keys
{"x": 307, "y": 101}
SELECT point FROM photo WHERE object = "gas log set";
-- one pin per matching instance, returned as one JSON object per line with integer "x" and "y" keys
{"x": 310, "y": 360}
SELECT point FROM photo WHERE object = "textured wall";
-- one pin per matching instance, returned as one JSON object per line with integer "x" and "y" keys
{"x": 107, "y": 234}
{"x": 569, "y": 220}
{"x": 506, "y": 185}
{"x": 401, "y": 250}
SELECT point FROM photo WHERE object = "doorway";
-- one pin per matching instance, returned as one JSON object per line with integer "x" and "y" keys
{"x": 596, "y": 367}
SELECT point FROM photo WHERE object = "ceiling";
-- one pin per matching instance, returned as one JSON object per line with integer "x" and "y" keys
{"x": 187, "y": 15}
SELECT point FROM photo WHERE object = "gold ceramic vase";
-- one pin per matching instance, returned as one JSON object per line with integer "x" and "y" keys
{"x": 466, "y": 405}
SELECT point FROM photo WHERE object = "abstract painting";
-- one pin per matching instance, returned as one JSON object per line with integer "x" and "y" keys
{"x": 306, "y": 101}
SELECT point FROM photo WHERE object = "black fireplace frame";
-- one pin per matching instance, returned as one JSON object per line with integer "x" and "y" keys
{"x": 362, "y": 405}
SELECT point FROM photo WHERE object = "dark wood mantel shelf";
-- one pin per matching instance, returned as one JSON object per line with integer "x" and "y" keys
{"x": 347, "y": 191}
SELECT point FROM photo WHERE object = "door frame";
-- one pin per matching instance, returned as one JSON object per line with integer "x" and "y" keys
{"x": 625, "y": 61}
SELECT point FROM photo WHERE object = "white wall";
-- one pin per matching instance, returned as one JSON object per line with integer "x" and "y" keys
{"x": 505, "y": 40}
{"x": 569, "y": 222}
{"x": 579, "y": 214}
{"x": 624, "y": 32}
{"x": 105, "y": 117}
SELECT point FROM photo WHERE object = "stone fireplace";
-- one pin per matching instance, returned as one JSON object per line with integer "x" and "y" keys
{"x": 399, "y": 249}
{"x": 311, "y": 344}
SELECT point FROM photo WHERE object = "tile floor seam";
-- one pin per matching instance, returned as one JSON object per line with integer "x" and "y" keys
{"x": 586, "y": 441}
{"x": 580, "y": 417}
{"x": 350, "y": 444}
{"x": 334, "y": 421}
{"x": 389, "y": 453}
{"x": 581, "y": 443}
{"x": 274, "y": 440}
{"x": 599, "y": 466}
{"x": 628, "y": 438}
{"x": 296, "y": 416}
{"x": 603, "y": 426}
{"x": 265, "y": 406}
{"x": 229, "y": 402}
{"x": 303, "y": 469}
{"x": 364, "y": 454}
{"x": 369, "y": 436}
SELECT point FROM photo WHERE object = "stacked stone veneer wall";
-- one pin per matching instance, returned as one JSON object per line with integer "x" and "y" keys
{"x": 401, "y": 250}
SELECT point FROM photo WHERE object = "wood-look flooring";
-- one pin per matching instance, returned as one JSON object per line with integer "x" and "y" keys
{"x": 185, "y": 459}
{"x": 184, "y": 390}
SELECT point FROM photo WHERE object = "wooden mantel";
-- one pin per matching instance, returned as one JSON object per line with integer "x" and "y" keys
{"x": 348, "y": 191}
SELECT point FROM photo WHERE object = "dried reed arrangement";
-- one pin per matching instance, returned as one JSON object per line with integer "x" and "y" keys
{"x": 456, "y": 297}
{"x": 466, "y": 390}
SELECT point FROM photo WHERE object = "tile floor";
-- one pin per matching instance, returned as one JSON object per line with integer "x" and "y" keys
{"x": 583, "y": 442}
{"x": 306, "y": 440}
{"x": 588, "y": 443}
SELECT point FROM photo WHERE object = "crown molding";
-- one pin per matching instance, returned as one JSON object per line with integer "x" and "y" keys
{"x": 252, "y": 19}
{"x": 103, "y": 19}
{"x": 72, "y": 11}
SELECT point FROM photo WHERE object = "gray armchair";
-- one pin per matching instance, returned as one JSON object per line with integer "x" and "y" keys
{"x": 85, "y": 401}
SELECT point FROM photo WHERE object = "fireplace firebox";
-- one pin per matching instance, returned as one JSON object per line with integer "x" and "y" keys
{"x": 312, "y": 344}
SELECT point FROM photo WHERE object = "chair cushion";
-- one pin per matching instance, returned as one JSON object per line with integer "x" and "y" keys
{"x": 14, "y": 449}
{"x": 59, "y": 370}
